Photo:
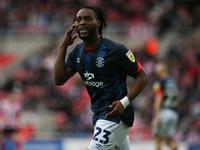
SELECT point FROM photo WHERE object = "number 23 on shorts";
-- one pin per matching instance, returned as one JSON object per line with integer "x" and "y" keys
{"x": 105, "y": 136}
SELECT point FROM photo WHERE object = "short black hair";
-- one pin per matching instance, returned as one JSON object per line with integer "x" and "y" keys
{"x": 101, "y": 15}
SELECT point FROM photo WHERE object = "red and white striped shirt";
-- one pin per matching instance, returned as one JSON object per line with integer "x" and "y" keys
{"x": 9, "y": 113}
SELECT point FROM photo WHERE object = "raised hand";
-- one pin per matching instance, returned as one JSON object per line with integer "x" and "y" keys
{"x": 68, "y": 38}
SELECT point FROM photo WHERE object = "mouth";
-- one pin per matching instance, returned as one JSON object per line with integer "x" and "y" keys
{"x": 83, "y": 30}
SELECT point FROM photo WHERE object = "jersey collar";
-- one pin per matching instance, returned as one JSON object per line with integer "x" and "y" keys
{"x": 92, "y": 48}
{"x": 89, "y": 48}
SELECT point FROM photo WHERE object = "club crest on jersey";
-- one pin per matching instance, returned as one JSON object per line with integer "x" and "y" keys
{"x": 130, "y": 55}
{"x": 100, "y": 62}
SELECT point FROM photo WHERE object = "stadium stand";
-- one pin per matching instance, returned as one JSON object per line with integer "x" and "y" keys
{"x": 175, "y": 24}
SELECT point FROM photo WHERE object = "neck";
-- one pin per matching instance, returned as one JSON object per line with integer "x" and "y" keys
{"x": 92, "y": 42}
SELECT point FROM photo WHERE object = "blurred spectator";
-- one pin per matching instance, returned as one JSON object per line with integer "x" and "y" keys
{"x": 10, "y": 109}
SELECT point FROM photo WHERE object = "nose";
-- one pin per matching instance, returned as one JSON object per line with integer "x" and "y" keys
{"x": 82, "y": 21}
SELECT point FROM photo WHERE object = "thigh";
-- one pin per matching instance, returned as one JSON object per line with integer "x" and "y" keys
{"x": 168, "y": 122}
{"x": 159, "y": 131}
{"x": 172, "y": 125}
{"x": 108, "y": 135}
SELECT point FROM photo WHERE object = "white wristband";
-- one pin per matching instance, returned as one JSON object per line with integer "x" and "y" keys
{"x": 125, "y": 101}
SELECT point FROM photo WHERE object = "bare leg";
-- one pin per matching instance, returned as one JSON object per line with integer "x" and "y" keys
{"x": 171, "y": 143}
{"x": 158, "y": 142}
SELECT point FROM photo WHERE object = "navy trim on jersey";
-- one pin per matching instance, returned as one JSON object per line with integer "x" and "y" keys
{"x": 101, "y": 54}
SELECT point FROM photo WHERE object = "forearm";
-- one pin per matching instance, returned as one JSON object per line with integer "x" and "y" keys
{"x": 138, "y": 85}
{"x": 59, "y": 72}
{"x": 62, "y": 73}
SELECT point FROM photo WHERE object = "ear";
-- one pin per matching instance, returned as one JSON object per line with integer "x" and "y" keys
{"x": 98, "y": 23}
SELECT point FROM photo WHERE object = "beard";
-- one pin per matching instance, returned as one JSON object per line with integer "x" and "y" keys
{"x": 91, "y": 33}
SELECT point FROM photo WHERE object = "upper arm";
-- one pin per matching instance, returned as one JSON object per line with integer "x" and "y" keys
{"x": 141, "y": 78}
{"x": 158, "y": 94}
{"x": 65, "y": 77}
{"x": 142, "y": 73}
{"x": 158, "y": 100}
{"x": 70, "y": 73}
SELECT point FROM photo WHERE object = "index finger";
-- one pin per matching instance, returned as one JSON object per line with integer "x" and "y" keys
{"x": 73, "y": 25}
{"x": 69, "y": 31}
{"x": 110, "y": 115}
{"x": 71, "y": 28}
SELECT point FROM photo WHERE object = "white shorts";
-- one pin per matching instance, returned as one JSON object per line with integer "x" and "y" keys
{"x": 168, "y": 123}
{"x": 110, "y": 135}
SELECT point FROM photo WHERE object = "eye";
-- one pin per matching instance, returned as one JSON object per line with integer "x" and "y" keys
{"x": 78, "y": 20}
{"x": 88, "y": 19}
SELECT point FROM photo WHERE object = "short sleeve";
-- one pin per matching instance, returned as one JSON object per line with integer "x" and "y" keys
{"x": 127, "y": 61}
{"x": 157, "y": 88}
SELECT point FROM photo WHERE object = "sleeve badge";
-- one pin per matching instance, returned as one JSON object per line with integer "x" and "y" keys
{"x": 130, "y": 55}
{"x": 156, "y": 86}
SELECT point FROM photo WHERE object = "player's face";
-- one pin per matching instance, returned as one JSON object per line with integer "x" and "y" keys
{"x": 86, "y": 24}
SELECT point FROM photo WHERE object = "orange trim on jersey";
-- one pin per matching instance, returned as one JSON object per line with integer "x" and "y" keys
{"x": 88, "y": 48}
{"x": 158, "y": 92}
{"x": 139, "y": 67}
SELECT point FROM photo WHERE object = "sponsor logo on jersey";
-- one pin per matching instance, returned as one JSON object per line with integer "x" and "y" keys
{"x": 100, "y": 62}
{"x": 89, "y": 82}
{"x": 130, "y": 55}
{"x": 93, "y": 83}
{"x": 89, "y": 76}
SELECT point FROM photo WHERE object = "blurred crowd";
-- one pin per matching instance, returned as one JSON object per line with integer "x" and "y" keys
{"x": 71, "y": 103}
{"x": 19, "y": 16}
